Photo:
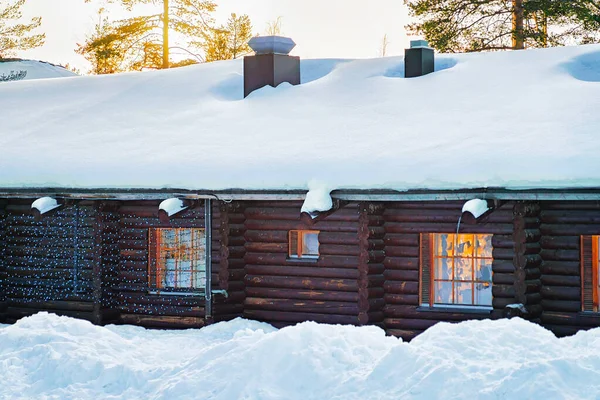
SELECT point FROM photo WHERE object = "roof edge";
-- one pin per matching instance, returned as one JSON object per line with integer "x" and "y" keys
{"x": 574, "y": 194}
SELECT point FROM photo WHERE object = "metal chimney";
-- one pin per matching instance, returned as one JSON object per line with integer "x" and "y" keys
{"x": 271, "y": 64}
{"x": 419, "y": 59}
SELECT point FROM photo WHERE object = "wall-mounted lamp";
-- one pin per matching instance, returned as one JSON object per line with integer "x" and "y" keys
{"x": 170, "y": 207}
{"x": 43, "y": 205}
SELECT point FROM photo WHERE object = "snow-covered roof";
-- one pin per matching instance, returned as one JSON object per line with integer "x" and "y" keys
{"x": 13, "y": 69}
{"x": 527, "y": 119}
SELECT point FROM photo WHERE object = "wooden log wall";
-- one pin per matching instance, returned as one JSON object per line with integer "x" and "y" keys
{"x": 132, "y": 298}
{"x": 3, "y": 305}
{"x": 285, "y": 291}
{"x": 231, "y": 268}
{"x": 562, "y": 224}
{"x": 48, "y": 265}
{"x": 404, "y": 221}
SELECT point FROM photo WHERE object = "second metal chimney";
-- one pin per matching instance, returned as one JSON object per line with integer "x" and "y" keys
{"x": 419, "y": 59}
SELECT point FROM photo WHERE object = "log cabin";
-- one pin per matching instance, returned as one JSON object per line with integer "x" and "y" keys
{"x": 180, "y": 198}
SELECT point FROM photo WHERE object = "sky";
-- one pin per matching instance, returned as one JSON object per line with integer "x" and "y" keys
{"x": 320, "y": 28}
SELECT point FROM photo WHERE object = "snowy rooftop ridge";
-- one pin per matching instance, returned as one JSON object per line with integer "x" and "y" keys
{"x": 515, "y": 120}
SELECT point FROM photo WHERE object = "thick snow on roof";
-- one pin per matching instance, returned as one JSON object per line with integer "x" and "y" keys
{"x": 526, "y": 119}
{"x": 34, "y": 69}
{"x": 52, "y": 357}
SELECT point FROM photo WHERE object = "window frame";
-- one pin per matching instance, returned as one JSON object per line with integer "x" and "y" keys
{"x": 427, "y": 278}
{"x": 152, "y": 269}
{"x": 299, "y": 244}
{"x": 589, "y": 248}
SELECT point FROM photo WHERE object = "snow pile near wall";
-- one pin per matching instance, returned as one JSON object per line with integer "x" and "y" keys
{"x": 34, "y": 69}
{"x": 526, "y": 119}
{"x": 46, "y": 356}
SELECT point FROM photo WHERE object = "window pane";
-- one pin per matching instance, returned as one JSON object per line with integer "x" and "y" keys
{"x": 310, "y": 244}
{"x": 483, "y": 270}
{"x": 483, "y": 245}
{"x": 463, "y": 269}
{"x": 463, "y": 293}
{"x": 442, "y": 268}
{"x": 443, "y": 292}
{"x": 444, "y": 245}
{"x": 483, "y": 294}
{"x": 464, "y": 246}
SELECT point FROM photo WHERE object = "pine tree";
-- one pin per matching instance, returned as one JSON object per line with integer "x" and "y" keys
{"x": 17, "y": 36}
{"x": 190, "y": 17}
{"x": 478, "y": 25}
{"x": 229, "y": 41}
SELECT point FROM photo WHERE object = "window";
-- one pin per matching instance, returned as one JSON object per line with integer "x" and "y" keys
{"x": 456, "y": 269}
{"x": 589, "y": 273}
{"x": 303, "y": 244}
{"x": 177, "y": 259}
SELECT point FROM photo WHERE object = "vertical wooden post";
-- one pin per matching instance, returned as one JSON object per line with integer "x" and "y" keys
{"x": 208, "y": 289}
{"x": 165, "y": 64}
{"x": 370, "y": 265}
{"x": 527, "y": 260}
{"x": 3, "y": 305}
{"x": 97, "y": 269}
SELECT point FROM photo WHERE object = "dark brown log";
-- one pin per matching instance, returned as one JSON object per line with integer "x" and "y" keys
{"x": 560, "y": 268}
{"x": 301, "y": 294}
{"x": 402, "y": 251}
{"x": 560, "y": 242}
{"x": 308, "y": 306}
{"x": 401, "y": 275}
{"x": 561, "y": 293}
{"x": 348, "y": 285}
{"x": 162, "y": 321}
{"x": 561, "y": 305}
{"x": 407, "y": 299}
{"x": 268, "y": 315}
{"x": 561, "y": 280}
{"x": 303, "y": 271}
{"x": 401, "y": 287}
{"x": 409, "y": 324}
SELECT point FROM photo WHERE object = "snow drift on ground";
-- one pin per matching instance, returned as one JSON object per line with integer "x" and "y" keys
{"x": 46, "y": 356}
{"x": 526, "y": 119}
{"x": 35, "y": 69}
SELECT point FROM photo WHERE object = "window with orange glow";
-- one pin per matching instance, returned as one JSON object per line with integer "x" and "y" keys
{"x": 303, "y": 244}
{"x": 590, "y": 260}
{"x": 461, "y": 271}
{"x": 177, "y": 258}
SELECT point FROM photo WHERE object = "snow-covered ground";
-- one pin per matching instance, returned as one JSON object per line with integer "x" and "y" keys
{"x": 526, "y": 119}
{"x": 46, "y": 356}
{"x": 34, "y": 70}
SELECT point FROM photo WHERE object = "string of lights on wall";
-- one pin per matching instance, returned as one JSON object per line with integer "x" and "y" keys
{"x": 53, "y": 259}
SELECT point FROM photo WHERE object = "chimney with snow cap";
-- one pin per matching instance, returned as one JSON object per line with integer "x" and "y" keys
{"x": 419, "y": 59}
{"x": 271, "y": 64}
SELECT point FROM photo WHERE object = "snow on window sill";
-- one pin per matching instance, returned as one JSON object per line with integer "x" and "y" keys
{"x": 455, "y": 308}
{"x": 175, "y": 293}
{"x": 589, "y": 314}
{"x": 304, "y": 259}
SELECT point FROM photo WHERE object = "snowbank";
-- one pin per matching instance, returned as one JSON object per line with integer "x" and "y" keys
{"x": 526, "y": 119}
{"x": 34, "y": 70}
{"x": 46, "y": 356}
